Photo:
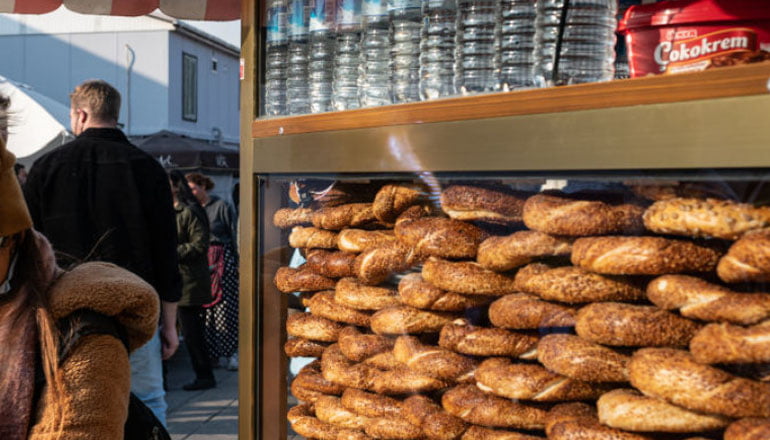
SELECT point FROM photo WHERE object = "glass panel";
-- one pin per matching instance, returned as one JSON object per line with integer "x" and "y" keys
{"x": 439, "y": 305}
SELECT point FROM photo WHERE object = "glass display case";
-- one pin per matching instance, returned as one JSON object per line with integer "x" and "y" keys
{"x": 525, "y": 265}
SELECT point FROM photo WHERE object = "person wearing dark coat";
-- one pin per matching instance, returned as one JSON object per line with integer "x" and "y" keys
{"x": 192, "y": 249}
{"x": 101, "y": 198}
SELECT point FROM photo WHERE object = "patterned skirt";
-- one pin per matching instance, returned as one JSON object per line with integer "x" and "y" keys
{"x": 221, "y": 328}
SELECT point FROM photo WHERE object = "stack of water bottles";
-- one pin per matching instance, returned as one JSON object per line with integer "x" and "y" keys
{"x": 327, "y": 55}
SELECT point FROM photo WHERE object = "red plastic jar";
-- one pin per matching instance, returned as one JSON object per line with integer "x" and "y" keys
{"x": 693, "y": 35}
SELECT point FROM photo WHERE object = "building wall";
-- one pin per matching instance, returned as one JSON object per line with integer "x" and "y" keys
{"x": 218, "y": 91}
{"x": 54, "y": 64}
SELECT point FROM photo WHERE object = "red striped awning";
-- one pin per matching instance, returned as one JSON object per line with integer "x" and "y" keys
{"x": 186, "y": 9}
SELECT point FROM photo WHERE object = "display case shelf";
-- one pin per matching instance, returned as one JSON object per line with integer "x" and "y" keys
{"x": 712, "y": 84}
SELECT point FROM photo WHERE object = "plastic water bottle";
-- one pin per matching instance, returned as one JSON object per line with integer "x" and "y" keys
{"x": 321, "y": 56}
{"x": 406, "y": 27}
{"x": 437, "y": 48}
{"x": 586, "y": 50}
{"x": 477, "y": 58}
{"x": 347, "y": 55}
{"x": 517, "y": 44}
{"x": 374, "y": 77}
{"x": 296, "y": 81}
{"x": 275, "y": 66}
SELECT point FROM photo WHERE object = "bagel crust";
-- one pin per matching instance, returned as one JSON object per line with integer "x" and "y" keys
{"x": 631, "y": 411}
{"x": 748, "y": 429}
{"x": 483, "y": 204}
{"x": 474, "y": 406}
{"x": 403, "y": 320}
{"x": 285, "y": 218}
{"x": 731, "y": 344}
{"x": 693, "y": 217}
{"x": 298, "y": 347}
{"x": 371, "y": 405}
{"x": 476, "y": 432}
{"x": 360, "y": 240}
{"x": 331, "y": 264}
{"x": 581, "y": 359}
{"x": 358, "y": 347}
{"x": 466, "y": 277}
{"x": 328, "y": 409}
{"x": 310, "y": 237}
{"x": 375, "y": 265}
{"x": 338, "y": 369}
{"x": 619, "y": 324}
{"x": 575, "y": 217}
{"x": 351, "y": 293}
{"x": 675, "y": 376}
{"x": 392, "y": 200}
{"x": 387, "y": 428}
{"x": 578, "y": 421}
{"x": 699, "y": 299}
{"x": 405, "y": 381}
{"x": 343, "y": 216}
{"x": 501, "y": 377}
{"x": 436, "y": 424}
{"x": 440, "y": 237}
{"x": 748, "y": 259}
{"x": 309, "y": 384}
{"x": 302, "y": 279}
{"x": 642, "y": 255}
{"x": 323, "y": 304}
{"x": 575, "y": 285}
{"x": 314, "y": 328}
{"x": 462, "y": 337}
{"x": 433, "y": 361}
{"x": 505, "y": 253}
{"x": 521, "y": 311}
{"x": 416, "y": 292}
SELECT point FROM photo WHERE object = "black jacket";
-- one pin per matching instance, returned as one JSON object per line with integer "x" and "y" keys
{"x": 100, "y": 198}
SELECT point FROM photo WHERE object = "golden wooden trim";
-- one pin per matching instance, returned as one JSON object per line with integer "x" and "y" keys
{"x": 716, "y": 83}
{"x": 714, "y": 133}
{"x": 248, "y": 314}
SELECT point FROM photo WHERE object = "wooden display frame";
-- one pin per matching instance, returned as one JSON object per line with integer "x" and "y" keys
{"x": 713, "y": 119}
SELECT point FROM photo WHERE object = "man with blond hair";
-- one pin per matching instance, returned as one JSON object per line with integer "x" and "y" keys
{"x": 101, "y": 198}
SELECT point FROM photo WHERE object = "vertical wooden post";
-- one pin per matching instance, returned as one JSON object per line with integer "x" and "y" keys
{"x": 247, "y": 375}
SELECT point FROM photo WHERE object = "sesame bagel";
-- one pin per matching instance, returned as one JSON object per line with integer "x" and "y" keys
{"x": 648, "y": 255}
{"x": 575, "y": 216}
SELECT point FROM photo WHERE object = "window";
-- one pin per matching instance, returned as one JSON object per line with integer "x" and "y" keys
{"x": 189, "y": 87}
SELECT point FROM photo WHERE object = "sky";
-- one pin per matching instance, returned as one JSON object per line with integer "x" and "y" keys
{"x": 230, "y": 31}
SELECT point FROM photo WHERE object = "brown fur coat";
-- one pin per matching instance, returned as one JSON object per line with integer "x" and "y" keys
{"x": 96, "y": 374}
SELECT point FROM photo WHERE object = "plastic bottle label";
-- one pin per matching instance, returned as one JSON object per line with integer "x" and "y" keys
{"x": 298, "y": 18}
{"x": 349, "y": 12}
{"x": 319, "y": 19}
{"x": 440, "y": 4}
{"x": 276, "y": 25}
{"x": 374, "y": 8}
{"x": 400, "y": 5}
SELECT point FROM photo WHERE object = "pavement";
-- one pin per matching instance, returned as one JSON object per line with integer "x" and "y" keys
{"x": 200, "y": 415}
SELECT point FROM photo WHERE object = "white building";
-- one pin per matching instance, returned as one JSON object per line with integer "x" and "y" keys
{"x": 171, "y": 75}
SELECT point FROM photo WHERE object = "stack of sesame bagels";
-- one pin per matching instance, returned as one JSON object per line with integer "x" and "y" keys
{"x": 505, "y": 315}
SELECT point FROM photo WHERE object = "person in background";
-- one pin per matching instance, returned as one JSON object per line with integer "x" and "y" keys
{"x": 101, "y": 198}
{"x": 84, "y": 394}
{"x": 192, "y": 247}
{"x": 222, "y": 313}
{"x": 21, "y": 173}
{"x": 5, "y": 104}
